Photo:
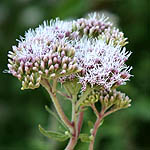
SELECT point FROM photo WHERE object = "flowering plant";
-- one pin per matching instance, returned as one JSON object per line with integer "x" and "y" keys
{"x": 87, "y": 57}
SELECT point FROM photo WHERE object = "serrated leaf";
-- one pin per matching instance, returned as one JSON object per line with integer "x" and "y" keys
{"x": 84, "y": 137}
{"x": 55, "y": 135}
{"x": 56, "y": 116}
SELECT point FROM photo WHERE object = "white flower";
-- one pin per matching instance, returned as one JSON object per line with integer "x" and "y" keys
{"x": 45, "y": 52}
{"x": 102, "y": 64}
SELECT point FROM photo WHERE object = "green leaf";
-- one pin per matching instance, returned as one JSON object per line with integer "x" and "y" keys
{"x": 56, "y": 116}
{"x": 84, "y": 137}
{"x": 55, "y": 135}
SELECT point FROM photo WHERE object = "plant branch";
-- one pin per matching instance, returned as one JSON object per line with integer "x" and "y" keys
{"x": 52, "y": 93}
{"x": 94, "y": 131}
{"x": 110, "y": 112}
{"x": 95, "y": 110}
{"x": 80, "y": 120}
{"x": 64, "y": 94}
{"x": 74, "y": 137}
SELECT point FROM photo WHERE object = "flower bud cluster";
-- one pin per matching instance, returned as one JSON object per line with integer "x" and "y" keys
{"x": 113, "y": 35}
{"x": 43, "y": 53}
{"x": 114, "y": 99}
{"x": 92, "y": 26}
{"x": 98, "y": 26}
{"x": 92, "y": 98}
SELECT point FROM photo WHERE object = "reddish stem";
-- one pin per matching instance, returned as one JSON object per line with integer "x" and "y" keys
{"x": 80, "y": 120}
{"x": 96, "y": 126}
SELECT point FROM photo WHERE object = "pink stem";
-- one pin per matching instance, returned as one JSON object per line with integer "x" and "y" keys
{"x": 96, "y": 126}
{"x": 80, "y": 121}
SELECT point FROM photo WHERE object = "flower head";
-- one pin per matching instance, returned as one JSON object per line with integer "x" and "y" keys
{"x": 92, "y": 26}
{"x": 59, "y": 49}
{"x": 102, "y": 64}
{"x": 43, "y": 53}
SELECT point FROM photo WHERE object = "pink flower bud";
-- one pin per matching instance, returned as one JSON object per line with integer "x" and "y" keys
{"x": 51, "y": 68}
{"x": 42, "y": 65}
{"x": 49, "y": 62}
{"x": 64, "y": 66}
{"x": 56, "y": 66}
{"x": 55, "y": 59}
{"x": 46, "y": 72}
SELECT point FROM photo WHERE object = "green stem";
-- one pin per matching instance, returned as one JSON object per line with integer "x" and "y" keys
{"x": 74, "y": 137}
{"x": 80, "y": 119}
{"x": 110, "y": 112}
{"x": 64, "y": 94}
{"x": 95, "y": 110}
{"x": 52, "y": 93}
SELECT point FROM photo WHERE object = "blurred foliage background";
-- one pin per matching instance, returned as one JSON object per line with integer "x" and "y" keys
{"x": 22, "y": 111}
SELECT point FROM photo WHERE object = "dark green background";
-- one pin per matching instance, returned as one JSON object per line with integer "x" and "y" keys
{"x": 22, "y": 111}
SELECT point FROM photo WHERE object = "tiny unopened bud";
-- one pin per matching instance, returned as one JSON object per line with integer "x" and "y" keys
{"x": 42, "y": 65}
{"x": 63, "y": 72}
{"x": 27, "y": 69}
{"x": 62, "y": 53}
{"x": 45, "y": 58}
{"x": 19, "y": 76}
{"x": 52, "y": 75}
{"x": 10, "y": 61}
{"x": 50, "y": 62}
{"x": 64, "y": 66}
{"x": 35, "y": 68}
{"x": 56, "y": 66}
{"x": 40, "y": 72}
{"x": 55, "y": 59}
{"x": 70, "y": 67}
{"x": 67, "y": 133}
{"x": 32, "y": 78}
{"x": 91, "y": 137}
{"x": 20, "y": 69}
{"x": 30, "y": 84}
{"x": 91, "y": 131}
{"x": 59, "y": 49}
{"x": 46, "y": 72}
{"x": 37, "y": 84}
{"x": 38, "y": 79}
{"x": 51, "y": 68}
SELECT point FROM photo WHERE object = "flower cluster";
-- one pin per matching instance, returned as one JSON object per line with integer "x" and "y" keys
{"x": 43, "y": 53}
{"x": 92, "y": 98}
{"x": 114, "y": 99}
{"x": 87, "y": 56}
{"x": 103, "y": 64}
{"x": 113, "y": 35}
{"x": 92, "y": 26}
{"x": 92, "y": 47}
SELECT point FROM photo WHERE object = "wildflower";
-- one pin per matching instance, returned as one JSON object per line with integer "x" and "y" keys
{"x": 92, "y": 26}
{"x": 96, "y": 25}
{"x": 114, "y": 99}
{"x": 102, "y": 64}
{"x": 43, "y": 53}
